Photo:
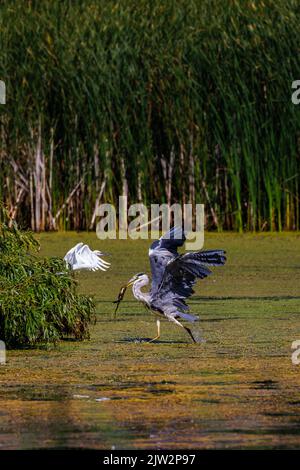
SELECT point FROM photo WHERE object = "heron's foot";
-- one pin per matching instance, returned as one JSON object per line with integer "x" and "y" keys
{"x": 154, "y": 339}
{"x": 190, "y": 333}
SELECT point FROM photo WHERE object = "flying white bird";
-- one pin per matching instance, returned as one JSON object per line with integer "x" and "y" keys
{"x": 82, "y": 257}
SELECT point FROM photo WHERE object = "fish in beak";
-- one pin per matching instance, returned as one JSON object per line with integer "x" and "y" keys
{"x": 122, "y": 293}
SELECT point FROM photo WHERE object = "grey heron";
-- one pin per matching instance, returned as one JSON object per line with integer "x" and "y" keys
{"x": 82, "y": 257}
{"x": 173, "y": 278}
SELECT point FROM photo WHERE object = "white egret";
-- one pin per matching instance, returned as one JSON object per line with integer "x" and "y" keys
{"x": 82, "y": 257}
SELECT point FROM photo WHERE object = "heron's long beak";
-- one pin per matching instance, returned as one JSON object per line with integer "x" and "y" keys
{"x": 122, "y": 293}
{"x": 131, "y": 281}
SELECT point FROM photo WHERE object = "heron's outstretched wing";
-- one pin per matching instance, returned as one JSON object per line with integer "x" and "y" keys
{"x": 82, "y": 257}
{"x": 179, "y": 277}
{"x": 162, "y": 251}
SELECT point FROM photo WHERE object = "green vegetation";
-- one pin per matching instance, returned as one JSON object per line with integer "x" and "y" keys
{"x": 163, "y": 101}
{"x": 38, "y": 300}
{"x": 239, "y": 389}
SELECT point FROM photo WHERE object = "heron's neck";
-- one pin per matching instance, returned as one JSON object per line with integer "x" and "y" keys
{"x": 138, "y": 294}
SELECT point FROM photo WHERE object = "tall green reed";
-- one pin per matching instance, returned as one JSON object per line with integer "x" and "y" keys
{"x": 112, "y": 97}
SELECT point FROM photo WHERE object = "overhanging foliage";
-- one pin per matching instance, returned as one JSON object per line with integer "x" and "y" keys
{"x": 38, "y": 299}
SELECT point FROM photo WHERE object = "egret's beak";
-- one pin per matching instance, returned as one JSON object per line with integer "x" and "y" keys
{"x": 122, "y": 293}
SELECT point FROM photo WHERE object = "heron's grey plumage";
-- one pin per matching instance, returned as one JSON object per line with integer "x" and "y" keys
{"x": 163, "y": 251}
{"x": 174, "y": 275}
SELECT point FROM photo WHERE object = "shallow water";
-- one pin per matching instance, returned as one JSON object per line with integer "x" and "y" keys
{"x": 238, "y": 389}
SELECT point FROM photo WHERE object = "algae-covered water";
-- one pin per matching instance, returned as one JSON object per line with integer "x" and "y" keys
{"x": 238, "y": 389}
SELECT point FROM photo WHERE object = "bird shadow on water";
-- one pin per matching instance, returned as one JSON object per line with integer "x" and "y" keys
{"x": 148, "y": 341}
{"x": 197, "y": 336}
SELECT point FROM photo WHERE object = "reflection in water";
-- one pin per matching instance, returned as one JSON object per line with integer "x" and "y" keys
{"x": 214, "y": 411}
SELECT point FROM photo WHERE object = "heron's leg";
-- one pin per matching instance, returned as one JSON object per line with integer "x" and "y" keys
{"x": 158, "y": 331}
{"x": 190, "y": 333}
{"x": 185, "y": 327}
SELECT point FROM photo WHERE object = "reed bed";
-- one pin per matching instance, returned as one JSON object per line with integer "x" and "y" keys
{"x": 186, "y": 101}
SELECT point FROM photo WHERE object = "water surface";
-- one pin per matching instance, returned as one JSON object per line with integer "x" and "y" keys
{"x": 238, "y": 389}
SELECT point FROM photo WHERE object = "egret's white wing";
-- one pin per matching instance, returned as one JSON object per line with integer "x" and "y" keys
{"x": 88, "y": 259}
{"x": 102, "y": 263}
{"x": 82, "y": 257}
{"x": 70, "y": 256}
